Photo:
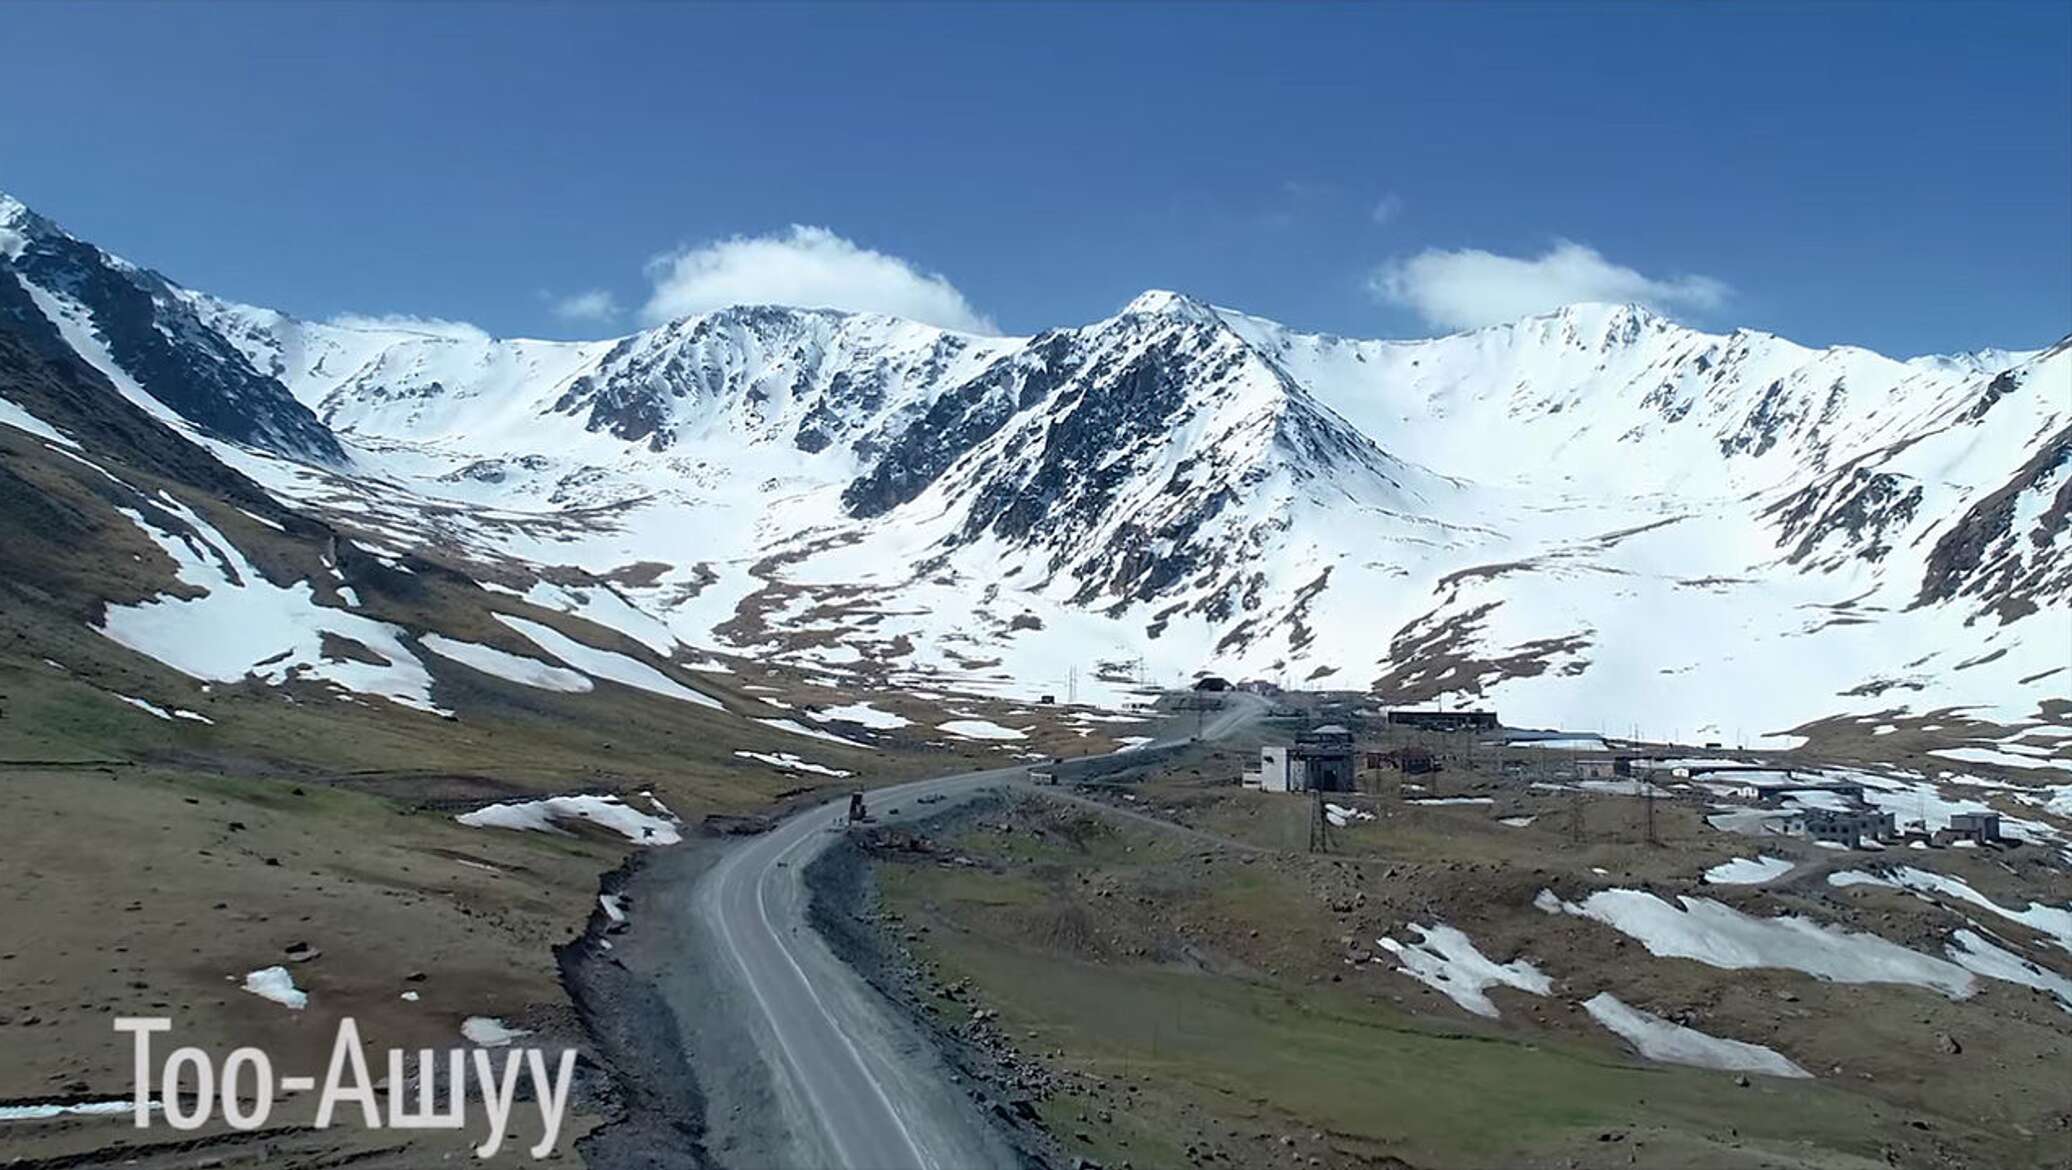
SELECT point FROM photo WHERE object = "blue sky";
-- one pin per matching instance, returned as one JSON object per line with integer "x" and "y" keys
{"x": 1893, "y": 176}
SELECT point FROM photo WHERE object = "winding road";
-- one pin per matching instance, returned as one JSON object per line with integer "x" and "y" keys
{"x": 860, "y": 1086}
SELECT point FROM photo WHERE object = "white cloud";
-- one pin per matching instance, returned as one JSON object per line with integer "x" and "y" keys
{"x": 1387, "y": 208}
{"x": 1470, "y": 288}
{"x": 808, "y": 267}
{"x": 595, "y": 305}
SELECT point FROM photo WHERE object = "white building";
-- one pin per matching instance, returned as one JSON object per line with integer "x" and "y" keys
{"x": 1282, "y": 769}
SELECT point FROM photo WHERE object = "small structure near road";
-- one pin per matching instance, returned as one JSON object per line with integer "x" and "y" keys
{"x": 1327, "y": 756}
{"x": 1211, "y": 684}
{"x": 1444, "y": 720}
{"x": 1979, "y": 828}
{"x": 1410, "y": 760}
{"x": 1319, "y": 761}
{"x": 1772, "y": 789}
{"x": 1849, "y": 826}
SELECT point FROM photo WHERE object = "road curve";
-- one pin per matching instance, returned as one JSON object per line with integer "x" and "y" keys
{"x": 860, "y": 1086}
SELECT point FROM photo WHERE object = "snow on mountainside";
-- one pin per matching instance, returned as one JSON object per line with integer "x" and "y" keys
{"x": 1582, "y": 515}
{"x": 132, "y": 322}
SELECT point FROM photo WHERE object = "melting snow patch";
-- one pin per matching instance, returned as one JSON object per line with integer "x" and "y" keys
{"x": 606, "y": 664}
{"x": 243, "y": 624}
{"x": 1340, "y": 816}
{"x": 614, "y": 907}
{"x": 489, "y": 1032}
{"x": 2006, "y": 759}
{"x": 1517, "y": 822}
{"x": 21, "y": 420}
{"x": 1977, "y": 953}
{"x": 792, "y": 763}
{"x": 510, "y": 667}
{"x": 605, "y": 811}
{"x": 1452, "y": 800}
{"x": 980, "y": 729}
{"x": 794, "y": 727}
{"x": 276, "y": 984}
{"x": 1659, "y": 1039}
{"x": 1567, "y": 743}
{"x": 1623, "y": 787}
{"x": 154, "y": 708}
{"x": 1445, "y": 959}
{"x": 2044, "y": 919}
{"x": 73, "y": 1109}
{"x": 863, "y": 714}
{"x": 1744, "y": 871}
{"x": 1721, "y": 936}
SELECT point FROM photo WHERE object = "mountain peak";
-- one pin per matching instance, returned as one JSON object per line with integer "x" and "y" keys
{"x": 18, "y": 225}
{"x": 1159, "y": 302}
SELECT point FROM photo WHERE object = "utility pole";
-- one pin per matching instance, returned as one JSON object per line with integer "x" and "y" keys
{"x": 1647, "y": 792}
{"x": 1319, "y": 824}
{"x": 1072, "y": 685}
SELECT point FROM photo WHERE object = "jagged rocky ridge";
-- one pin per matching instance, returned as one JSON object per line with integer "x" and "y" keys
{"x": 1595, "y": 502}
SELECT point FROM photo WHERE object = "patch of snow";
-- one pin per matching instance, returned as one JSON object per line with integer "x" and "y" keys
{"x": 276, "y": 984}
{"x": 489, "y": 1032}
{"x": 606, "y": 664}
{"x": 1671, "y": 1043}
{"x": 1340, "y": 815}
{"x": 862, "y": 714}
{"x": 517, "y": 668}
{"x": 244, "y": 625}
{"x": 2053, "y": 921}
{"x": 1743, "y": 871}
{"x": 21, "y": 420}
{"x": 1565, "y": 743}
{"x": 1721, "y": 936}
{"x": 980, "y": 729}
{"x": 791, "y": 763}
{"x": 1974, "y": 952}
{"x": 545, "y": 816}
{"x": 794, "y": 727}
{"x": 1445, "y": 959}
{"x": 72, "y": 1109}
{"x": 154, "y": 708}
{"x": 2006, "y": 759}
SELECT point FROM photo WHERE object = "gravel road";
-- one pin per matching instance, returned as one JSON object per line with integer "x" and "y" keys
{"x": 807, "y": 1065}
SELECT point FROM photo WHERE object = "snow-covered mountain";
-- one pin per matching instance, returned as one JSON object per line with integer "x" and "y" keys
{"x": 1595, "y": 516}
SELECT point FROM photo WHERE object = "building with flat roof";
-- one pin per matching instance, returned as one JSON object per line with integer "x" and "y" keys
{"x": 1443, "y": 720}
{"x": 1320, "y": 760}
{"x": 1980, "y": 828}
{"x": 1849, "y": 826}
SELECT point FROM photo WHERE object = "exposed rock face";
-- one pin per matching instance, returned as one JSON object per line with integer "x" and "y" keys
{"x": 1594, "y": 493}
{"x": 151, "y": 331}
{"x": 1988, "y": 556}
